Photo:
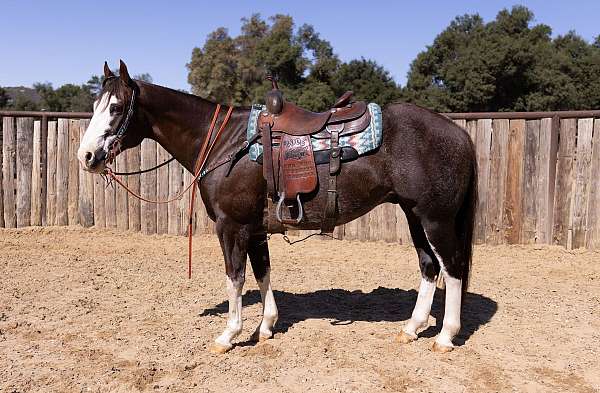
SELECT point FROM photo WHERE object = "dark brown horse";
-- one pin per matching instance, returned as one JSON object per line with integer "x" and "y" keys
{"x": 426, "y": 164}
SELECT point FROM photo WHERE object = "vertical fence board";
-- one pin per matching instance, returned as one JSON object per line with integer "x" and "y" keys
{"x": 376, "y": 223}
{"x": 175, "y": 186}
{"x": 530, "y": 181}
{"x": 73, "y": 193}
{"x": 592, "y": 240}
{"x": 51, "y": 173}
{"x": 184, "y": 206}
{"x": 402, "y": 229}
{"x": 86, "y": 188}
{"x": 9, "y": 157}
{"x": 363, "y": 227}
{"x": 133, "y": 182}
{"x": 561, "y": 233}
{"x": 62, "y": 172}
{"x": 461, "y": 123}
{"x": 497, "y": 182}
{"x": 389, "y": 223}
{"x": 148, "y": 184}
{"x": 513, "y": 208}
{"x": 24, "y": 164}
{"x": 162, "y": 191}
{"x": 99, "y": 209}
{"x": 110, "y": 205}
{"x": 472, "y": 130}
{"x": 44, "y": 169}
{"x": 1, "y": 178}
{"x": 482, "y": 148}
{"x": 582, "y": 175}
{"x": 122, "y": 210}
{"x": 351, "y": 230}
{"x": 546, "y": 179}
{"x": 36, "y": 176}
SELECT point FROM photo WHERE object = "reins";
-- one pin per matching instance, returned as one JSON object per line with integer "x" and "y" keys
{"x": 199, "y": 171}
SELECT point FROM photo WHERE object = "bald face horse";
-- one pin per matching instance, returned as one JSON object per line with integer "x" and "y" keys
{"x": 425, "y": 163}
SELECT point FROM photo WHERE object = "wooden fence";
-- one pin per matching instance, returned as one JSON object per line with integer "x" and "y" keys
{"x": 539, "y": 181}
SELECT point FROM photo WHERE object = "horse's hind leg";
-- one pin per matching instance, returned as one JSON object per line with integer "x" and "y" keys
{"x": 444, "y": 243}
{"x": 258, "y": 252}
{"x": 430, "y": 268}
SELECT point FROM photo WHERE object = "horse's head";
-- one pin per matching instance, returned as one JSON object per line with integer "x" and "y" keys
{"x": 113, "y": 127}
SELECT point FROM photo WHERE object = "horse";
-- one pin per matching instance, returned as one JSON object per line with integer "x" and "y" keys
{"x": 425, "y": 163}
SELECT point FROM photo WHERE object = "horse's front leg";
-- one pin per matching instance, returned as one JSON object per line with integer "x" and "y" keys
{"x": 234, "y": 243}
{"x": 258, "y": 251}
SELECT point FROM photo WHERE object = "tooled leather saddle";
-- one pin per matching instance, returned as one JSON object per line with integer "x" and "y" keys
{"x": 289, "y": 166}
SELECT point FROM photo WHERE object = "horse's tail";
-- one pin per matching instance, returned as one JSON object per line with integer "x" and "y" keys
{"x": 465, "y": 223}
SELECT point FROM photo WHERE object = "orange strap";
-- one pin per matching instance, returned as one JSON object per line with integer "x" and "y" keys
{"x": 199, "y": 167}
{"x": 200, "y": 162}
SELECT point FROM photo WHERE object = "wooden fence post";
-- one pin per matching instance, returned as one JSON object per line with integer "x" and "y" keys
{"x": 497, "y": 182}
{"x": 36, "y": 178}
{"x": 62, "y": 173}
{"x": 24, "y": 164}
{"x": 162, "y": 191}
{"x": 175, "y": 187}
{"x": 585, "y": 128}
{"x": 148, "y": 184}
{"x": 531, "y": 173}
{"x": 86, "y": 188}
{"x": 483, "y": 143}
{"x": 51, "y": 178}
{"x": 561, "y": 233}
{"x": 546, "y": 179}
{"x": 73, "y": 194}
{"x": 122, "y": 208}
{"x": 133, "y": 182}
{"x": 9, "y": 158}
{"x": 1, "y": 179}
{"x": 44, "y": 169}
{"x": 592, "y": 239}
{"x": 513, "y": 201}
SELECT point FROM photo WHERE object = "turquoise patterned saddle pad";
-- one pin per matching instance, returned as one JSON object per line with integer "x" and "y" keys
{"x": 363, "y": 142}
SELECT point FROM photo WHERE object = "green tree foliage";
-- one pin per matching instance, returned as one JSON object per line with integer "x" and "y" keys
{"x": 232, "y": 69}
{"x": 67, "y": 98}
{"x": 3, "y": 98}
{"x": 506, "y": 64}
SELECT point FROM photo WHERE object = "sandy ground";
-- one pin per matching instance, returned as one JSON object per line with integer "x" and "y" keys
{"x": 96, "y": 311}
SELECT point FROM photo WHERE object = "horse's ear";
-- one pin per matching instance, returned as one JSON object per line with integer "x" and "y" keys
{"x": 107, "y": 72}
{"x": 123, "y": 73}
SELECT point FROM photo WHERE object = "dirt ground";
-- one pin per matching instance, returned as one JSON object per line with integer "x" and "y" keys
{"x": 97, "y": 311}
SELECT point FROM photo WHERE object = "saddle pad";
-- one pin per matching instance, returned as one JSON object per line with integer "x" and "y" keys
{"x": 363, "y": 142}
{"x": 297, "y": 166}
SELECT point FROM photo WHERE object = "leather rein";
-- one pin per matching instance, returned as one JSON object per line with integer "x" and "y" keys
{"x": 199, "y": 168}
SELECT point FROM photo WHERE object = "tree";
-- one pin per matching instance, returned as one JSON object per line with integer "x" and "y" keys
{"x": 368, "y": 80}
{"x": 3, "y": 98}
{"x": 505, "y": 64}
{"x": 232, "y": 69}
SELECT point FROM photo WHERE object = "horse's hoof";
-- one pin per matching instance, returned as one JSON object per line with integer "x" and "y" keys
{"x": 259, "y": 338}
{"x": 219, "y": 349}
{"x": 439, "y": 348}
{"x": 405, "y": 338}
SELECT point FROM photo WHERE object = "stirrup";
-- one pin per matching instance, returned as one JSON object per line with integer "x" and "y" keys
{"x": 289, "y": 221}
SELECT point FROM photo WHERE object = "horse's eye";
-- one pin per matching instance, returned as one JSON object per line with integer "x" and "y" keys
{"x": 115, "y": 109}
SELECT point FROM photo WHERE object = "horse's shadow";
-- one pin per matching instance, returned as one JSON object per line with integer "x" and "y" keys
{"x": 381, "y": 304}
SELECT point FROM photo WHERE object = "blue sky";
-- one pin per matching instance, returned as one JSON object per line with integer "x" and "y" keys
{"x": 67, "y": 41}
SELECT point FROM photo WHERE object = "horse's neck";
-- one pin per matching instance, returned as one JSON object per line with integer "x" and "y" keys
{"x": 179, "y": 121}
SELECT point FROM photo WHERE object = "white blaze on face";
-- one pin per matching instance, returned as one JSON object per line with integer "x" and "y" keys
{"x": 94, "y": 137}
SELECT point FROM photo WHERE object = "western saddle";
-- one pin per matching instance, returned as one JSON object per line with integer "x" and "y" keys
{"x": 289, "y": 165}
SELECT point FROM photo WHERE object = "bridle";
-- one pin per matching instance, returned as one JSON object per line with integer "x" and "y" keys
{"x": 114, "y": 148}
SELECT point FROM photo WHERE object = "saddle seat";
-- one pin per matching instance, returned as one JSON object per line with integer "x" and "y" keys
{"x": 294, "y": 120}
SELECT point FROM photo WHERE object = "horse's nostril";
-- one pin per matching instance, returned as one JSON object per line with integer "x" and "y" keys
{"x": 88, "y": 156}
